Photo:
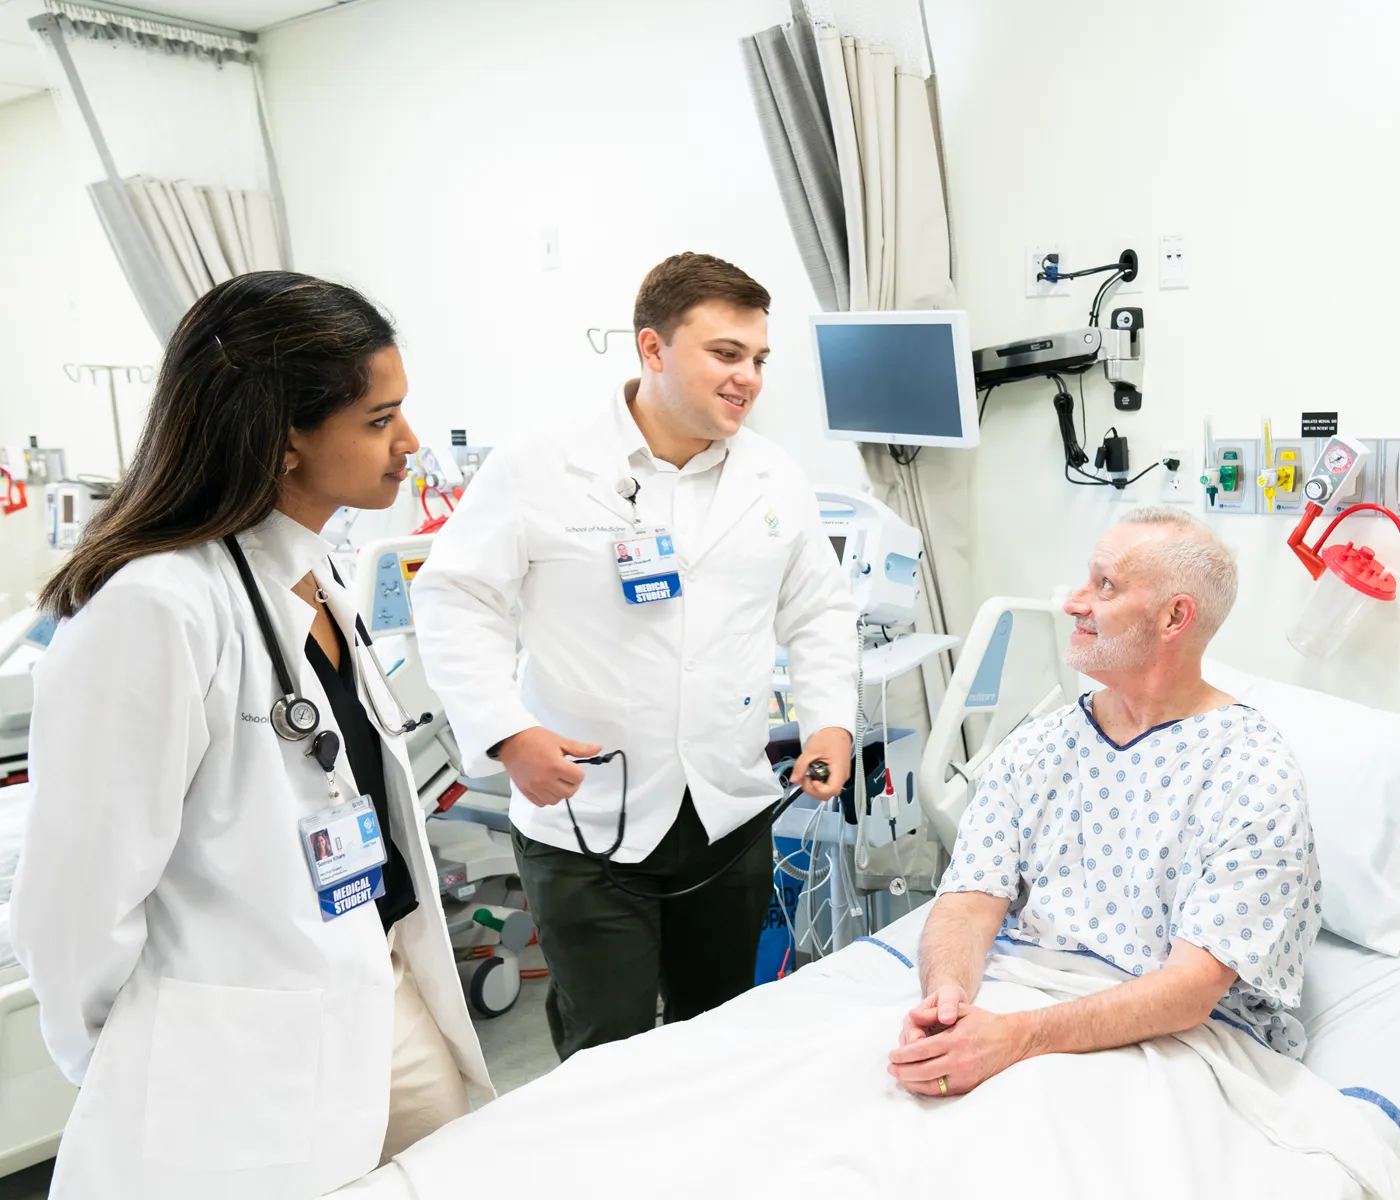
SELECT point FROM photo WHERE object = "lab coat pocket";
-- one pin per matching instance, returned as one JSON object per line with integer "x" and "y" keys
{"x": 233, "y": 1074}
{"x": 591, "y": 717}
{"x": 751, "y": 720}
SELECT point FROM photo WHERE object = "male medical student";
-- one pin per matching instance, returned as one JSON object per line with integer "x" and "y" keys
{"x": 667, "y": 657}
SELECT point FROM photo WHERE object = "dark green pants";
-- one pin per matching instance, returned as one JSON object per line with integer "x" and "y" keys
{"x": 610, "y": 954}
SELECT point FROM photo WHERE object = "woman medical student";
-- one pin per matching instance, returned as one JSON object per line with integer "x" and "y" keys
{"x": 246, "y": 1015}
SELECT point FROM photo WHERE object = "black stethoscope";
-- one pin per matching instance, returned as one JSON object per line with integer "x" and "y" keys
{"x": 819, "y": 771}
{"x": 294, "y": 717}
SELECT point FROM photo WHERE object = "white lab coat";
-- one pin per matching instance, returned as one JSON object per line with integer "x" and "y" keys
{"x": 229, "y": 1042}
{"x": 682, "y": 685}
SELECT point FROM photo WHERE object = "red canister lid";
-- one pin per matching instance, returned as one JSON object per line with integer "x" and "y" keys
{"x": 1356, "y": 566}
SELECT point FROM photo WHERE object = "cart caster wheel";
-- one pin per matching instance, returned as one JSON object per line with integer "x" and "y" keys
{"x": 494, "y": 988}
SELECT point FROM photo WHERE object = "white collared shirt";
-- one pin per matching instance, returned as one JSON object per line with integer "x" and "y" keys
{"x": 682, "y": 686}
{"x": 679, "y": 498}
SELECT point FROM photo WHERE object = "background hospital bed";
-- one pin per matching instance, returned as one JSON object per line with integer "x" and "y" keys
{"x": 35, "y": 1099}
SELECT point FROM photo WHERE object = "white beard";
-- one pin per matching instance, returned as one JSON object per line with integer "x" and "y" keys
{"x": 1122, "y": 652}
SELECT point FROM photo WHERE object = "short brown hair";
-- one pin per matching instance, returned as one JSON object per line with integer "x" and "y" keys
{"x": 672, "y": 288}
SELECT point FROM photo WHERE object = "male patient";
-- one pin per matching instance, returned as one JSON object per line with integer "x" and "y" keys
{"x": 1156, "y": 824}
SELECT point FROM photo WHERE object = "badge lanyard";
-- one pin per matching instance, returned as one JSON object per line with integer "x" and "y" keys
{"x": 647, "y": 565}
{"x": 343, "y": 843}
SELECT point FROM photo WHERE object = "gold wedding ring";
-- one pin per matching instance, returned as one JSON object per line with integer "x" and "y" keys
{"x": 943, "y": 1085}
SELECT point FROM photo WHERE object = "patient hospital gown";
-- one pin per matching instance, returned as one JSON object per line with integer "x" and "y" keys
{"x": 1197, "y": 829}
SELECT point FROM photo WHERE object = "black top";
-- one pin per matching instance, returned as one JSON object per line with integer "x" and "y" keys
{"x": 366, "y": 756}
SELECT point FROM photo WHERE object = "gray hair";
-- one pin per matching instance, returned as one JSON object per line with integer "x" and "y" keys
{"x": 1193, "y": 562}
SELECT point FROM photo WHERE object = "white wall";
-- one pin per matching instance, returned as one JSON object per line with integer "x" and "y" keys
{"x": 62, "y": 300}
{"x": 1264, "y": 130}
{"x": 424, "y": 146}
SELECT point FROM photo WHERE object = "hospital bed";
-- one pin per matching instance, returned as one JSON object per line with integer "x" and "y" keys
{"x": 35, "y": 1099}
{"x": 785, "y": 1088}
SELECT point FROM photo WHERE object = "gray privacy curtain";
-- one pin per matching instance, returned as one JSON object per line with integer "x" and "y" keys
{"x": 171, "y": 137}
{"x": 785, "y": 76}
{"x": 854, "y": 143}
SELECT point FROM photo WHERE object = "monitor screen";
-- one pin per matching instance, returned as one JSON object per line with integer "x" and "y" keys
{"x": 897, "y": 377}
{"x": 839, "y": 545}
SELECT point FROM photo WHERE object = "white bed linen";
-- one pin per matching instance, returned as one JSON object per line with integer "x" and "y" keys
{"x": 786, "y": 1088}
{"x": 1351, "y": 1010}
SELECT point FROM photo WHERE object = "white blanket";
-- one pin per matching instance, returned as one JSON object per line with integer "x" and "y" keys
{"x": 785, "y": 1090}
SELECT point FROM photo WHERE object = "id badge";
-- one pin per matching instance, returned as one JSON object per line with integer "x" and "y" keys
{"x": 345, "y": 852}
{"x": 647, "y": 566}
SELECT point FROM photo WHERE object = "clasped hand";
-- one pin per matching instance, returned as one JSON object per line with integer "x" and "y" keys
{"x": 947, "y": 1038}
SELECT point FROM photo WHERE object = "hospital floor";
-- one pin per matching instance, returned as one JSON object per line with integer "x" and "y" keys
{"x": 516, "y": 1046}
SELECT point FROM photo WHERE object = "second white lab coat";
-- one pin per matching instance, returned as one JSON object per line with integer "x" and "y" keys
{"x": 682, "y": 685}
{"x": 229, "y": 1042}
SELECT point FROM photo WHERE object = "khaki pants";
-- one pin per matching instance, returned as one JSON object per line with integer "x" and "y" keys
{"x": 426, "y": 1089}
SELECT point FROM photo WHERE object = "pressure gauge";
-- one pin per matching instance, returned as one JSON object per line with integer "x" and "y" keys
{"x": 1338, "y": 460}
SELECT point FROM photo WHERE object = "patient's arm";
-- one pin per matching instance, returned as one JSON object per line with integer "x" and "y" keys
{"x": 952, "y": 952}
{"x": 1173, "y": 999}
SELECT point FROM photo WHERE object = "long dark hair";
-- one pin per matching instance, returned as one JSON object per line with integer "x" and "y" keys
{"x": 257, "y": 357}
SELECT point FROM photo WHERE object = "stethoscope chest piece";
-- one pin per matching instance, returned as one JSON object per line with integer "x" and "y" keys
{"x": 295, "y": 718}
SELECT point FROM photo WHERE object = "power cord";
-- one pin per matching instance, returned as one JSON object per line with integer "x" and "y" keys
{"x": 1112, "y": 281}
{"x": 905, "y": 459}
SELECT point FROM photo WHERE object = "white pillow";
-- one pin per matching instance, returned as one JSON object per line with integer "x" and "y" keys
{"x": 1351, "y": 1010}
{"x": 1350, "y": 756}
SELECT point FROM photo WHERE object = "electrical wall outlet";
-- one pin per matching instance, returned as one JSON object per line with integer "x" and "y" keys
{"x": 1179, "y": 486}
{"x": 1173, "y": 264}
{"x": 1035, "y": 259}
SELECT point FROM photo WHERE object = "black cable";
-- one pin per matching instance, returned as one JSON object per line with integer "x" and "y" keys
{"x": 987, "y": 395}
{"x": 1088, "y": 480}
{"x": 1064, "y": 410}
{"x": 604, "y": 857}
{"x": 1061, "y": 276}
{"x": 1113, "y": 279}
{"x": 1140, "y": 474}
{"x": 907, "y": 458}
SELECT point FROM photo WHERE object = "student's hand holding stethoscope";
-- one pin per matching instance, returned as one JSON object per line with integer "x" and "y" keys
{"x": 540, "y": 763}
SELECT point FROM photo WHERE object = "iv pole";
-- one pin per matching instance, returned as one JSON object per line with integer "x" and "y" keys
{"x": 132, "y": 375}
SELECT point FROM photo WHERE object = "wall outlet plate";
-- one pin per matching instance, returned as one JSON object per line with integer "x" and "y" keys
{"x": 1035, "y": 255}
{"x": 1173, "y": 262}
{"x": 1179, "y": 486}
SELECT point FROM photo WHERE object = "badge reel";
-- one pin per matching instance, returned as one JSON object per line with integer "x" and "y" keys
{"x": 646, "y": 559}
{"x": 344, "y": 845}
